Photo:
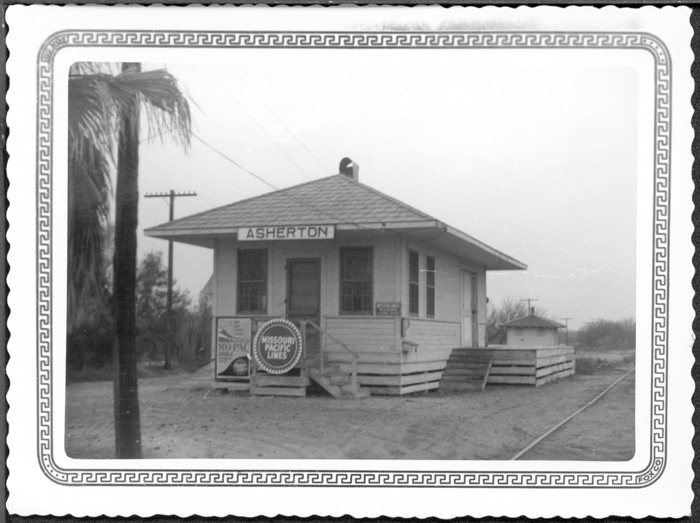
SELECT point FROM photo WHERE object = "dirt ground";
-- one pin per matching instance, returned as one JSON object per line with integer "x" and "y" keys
{"x": 493, "y": 425}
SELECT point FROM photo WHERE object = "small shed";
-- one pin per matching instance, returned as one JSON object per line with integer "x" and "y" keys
{"x": 532, "y": 331}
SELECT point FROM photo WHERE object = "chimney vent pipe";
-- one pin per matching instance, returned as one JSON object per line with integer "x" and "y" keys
{"x": 349, "y": 168}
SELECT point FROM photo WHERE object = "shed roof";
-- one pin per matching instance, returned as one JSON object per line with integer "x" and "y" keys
{"x": 334, "y": 200}
{"x": 533, "y": 321}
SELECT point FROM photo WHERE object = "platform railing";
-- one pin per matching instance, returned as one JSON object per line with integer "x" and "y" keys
{"x": 322, "y": 350}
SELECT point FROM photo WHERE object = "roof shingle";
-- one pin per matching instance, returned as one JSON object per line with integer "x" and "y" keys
{"x": 333, "y": 200}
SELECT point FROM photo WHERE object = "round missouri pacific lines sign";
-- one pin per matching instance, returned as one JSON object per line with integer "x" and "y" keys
{"x": 277, "y": 346}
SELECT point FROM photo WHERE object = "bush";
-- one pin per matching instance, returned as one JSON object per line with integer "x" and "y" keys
{"x": 91, "y": 344}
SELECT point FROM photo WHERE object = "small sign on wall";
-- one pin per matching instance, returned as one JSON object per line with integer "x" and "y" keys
{"x": 388, "y": 308}
{"x": 233, "y": 341}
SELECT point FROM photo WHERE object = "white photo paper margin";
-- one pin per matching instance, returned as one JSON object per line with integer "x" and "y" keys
{"x": 44, "y": 41}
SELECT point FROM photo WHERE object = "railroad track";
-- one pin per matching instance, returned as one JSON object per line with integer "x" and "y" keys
{"x": 569, "y": 418}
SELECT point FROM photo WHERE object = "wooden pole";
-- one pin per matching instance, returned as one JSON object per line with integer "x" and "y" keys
{"x": 171, "y": 216}
{"x": 127, "y": 422}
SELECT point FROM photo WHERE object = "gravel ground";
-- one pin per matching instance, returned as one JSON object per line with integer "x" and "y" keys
{"x": 492, "y": 425}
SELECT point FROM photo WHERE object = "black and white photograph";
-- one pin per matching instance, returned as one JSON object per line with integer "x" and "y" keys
{"x": 352, "y": 248}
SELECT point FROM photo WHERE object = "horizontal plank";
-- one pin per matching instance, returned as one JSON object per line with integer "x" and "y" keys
{"x": 553, "y": 360}
{"x": 553, "y": 377}
{"x": 512, "y": 380}
{"x": 277, "y": 391}
{"x": 365, "y": 357}
{"x": 398, "y": 380}
{"x": 546, "y": 371}
{"x": 390, "y": 369}
{"x": 452, "y": 371}
{"x": 468, "y": 364}
{"x": 271, "y": 380}
{"x": 513, "y": 363}
{"x": 513, "y": 371}
{"x": 399, "y": 391}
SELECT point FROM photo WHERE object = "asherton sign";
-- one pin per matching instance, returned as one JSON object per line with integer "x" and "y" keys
{"x": 277, "y": 346}
{"x": 287, "y": 232}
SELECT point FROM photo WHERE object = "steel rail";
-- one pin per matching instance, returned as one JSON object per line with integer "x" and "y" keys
{"x": 572, "y": 416}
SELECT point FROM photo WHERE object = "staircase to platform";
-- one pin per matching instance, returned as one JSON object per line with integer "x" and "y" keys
{"x": 465, "y": 371}
{"x": 339, "y": 383}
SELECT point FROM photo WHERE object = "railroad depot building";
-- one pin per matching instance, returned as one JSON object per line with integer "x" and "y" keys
{"x": 383, "y": 291}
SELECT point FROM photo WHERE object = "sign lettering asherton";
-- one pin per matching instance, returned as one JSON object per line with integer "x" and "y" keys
{"x": 277, "y": 346}
{"x": 287, "y": 232}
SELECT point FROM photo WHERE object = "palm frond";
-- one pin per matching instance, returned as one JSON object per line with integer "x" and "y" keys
{"x": 99, "y": 100}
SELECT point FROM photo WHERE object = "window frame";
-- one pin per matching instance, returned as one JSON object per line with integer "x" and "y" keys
{"x": 369, "y": 311}
{"x": 430, "y": 287}
{"x": 239, "y": 282}
{"x": 413, "y": 285}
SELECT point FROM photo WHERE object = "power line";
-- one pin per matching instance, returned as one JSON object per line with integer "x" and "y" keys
{"x": 274, "y": 187}
{"x": 298, "y": 201}
{"x": 262, "y": 102}
{"x": 274, "y": 142}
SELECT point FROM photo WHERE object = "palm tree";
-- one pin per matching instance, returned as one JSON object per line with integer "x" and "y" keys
{"x": 105, "y": 112}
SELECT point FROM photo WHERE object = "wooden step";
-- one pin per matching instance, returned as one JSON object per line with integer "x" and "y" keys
{"x": 466, "y": 371}
{"x": 277, "y": 391}
{"x": 338, "y": 384}
{"x": 455, "y": 371}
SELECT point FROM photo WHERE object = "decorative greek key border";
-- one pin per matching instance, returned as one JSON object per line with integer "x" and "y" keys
{"x": 355, "y": 40}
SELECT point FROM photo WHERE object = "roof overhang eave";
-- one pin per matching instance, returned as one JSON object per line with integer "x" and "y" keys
{"x": 497, "y": 260}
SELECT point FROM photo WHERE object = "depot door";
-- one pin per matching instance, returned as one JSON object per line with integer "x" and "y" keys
{"x": 469, "y": 310}
{"x": 304, "y": 298}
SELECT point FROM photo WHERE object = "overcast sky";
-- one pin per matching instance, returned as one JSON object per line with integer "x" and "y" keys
{"x": 535, "y": 158}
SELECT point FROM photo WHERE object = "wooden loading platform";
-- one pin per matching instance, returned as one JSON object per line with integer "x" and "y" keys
{"x": 387, "y": 374}
{"x": 533, "y": 366}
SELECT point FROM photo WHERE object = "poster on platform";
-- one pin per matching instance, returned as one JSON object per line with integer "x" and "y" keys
{"x": 233, "y": 348}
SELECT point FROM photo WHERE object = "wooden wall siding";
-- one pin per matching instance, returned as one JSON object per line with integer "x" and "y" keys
{"x": 448, "y": 290}
{"x": 225, "y": 279}
{"x": 435, "y": 339}
{"x": 519, "y": 337}
{"x": 370, "y": 334}
{"x": 386, "y": 278}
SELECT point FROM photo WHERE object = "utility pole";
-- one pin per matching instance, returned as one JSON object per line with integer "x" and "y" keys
{"x": 528, "y": 300}
{"x": 567, "y": 328}
{"x": 171, "y": 195}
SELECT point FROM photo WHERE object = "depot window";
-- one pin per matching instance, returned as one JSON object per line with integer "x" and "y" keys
{"x": 356, "y": 280}
{"x": 413, "y": 283}
{"x": 430, "y": 287}
{"x": 252, "y": 281}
